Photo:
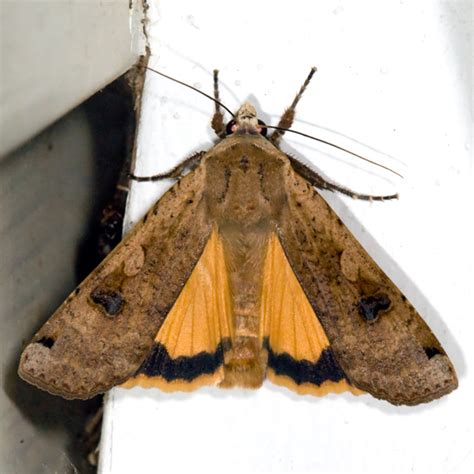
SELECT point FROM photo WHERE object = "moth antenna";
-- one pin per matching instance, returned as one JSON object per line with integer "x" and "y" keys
{"x": 335, "y": 146}
{"x": 218, "y": 119}
{"x": 286, "y": 120}
{"x": 190, "y": 87}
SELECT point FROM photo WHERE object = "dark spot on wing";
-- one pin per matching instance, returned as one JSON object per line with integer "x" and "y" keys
{"x": 47, "y": 342}
{"x": 371, "y": 306}
{"x": 431, "y": 352}
{"x": 109, "y": 299}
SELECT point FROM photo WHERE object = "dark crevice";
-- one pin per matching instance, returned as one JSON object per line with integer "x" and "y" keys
{"x": 112, "y": 118}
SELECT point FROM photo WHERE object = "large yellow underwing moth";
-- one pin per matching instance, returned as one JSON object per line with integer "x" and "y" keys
{"x": 241, "y": 271}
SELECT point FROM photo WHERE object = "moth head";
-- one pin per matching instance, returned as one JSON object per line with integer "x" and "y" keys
{"x": 246, "y": 121}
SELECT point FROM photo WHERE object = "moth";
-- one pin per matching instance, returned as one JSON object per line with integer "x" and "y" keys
{"x": 241, "y": 272}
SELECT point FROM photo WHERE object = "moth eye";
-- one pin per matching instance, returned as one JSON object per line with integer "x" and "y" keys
{"x": 263, "y": 126}
{"x": 371, "y": 306}
{"x": 229, "y": 129}
{"x": 110, "y": 300}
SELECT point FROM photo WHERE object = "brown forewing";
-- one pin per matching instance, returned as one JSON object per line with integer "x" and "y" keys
{"x": 101, "y": 334}
{"x": 379, "y": 339}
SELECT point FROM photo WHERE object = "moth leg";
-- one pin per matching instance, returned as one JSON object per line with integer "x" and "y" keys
{"x": 286, "y": 120}
{"x": 319, "y": 182}
{"x": 190, "y": 163}
{"x": 217, "y": 119}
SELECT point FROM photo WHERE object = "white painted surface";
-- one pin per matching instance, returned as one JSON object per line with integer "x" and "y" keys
{"x": 394, "y": 76}
{"x": 56, "y": 54}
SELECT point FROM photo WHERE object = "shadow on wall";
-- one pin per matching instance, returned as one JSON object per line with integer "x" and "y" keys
{"x": 110, "y": 117}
